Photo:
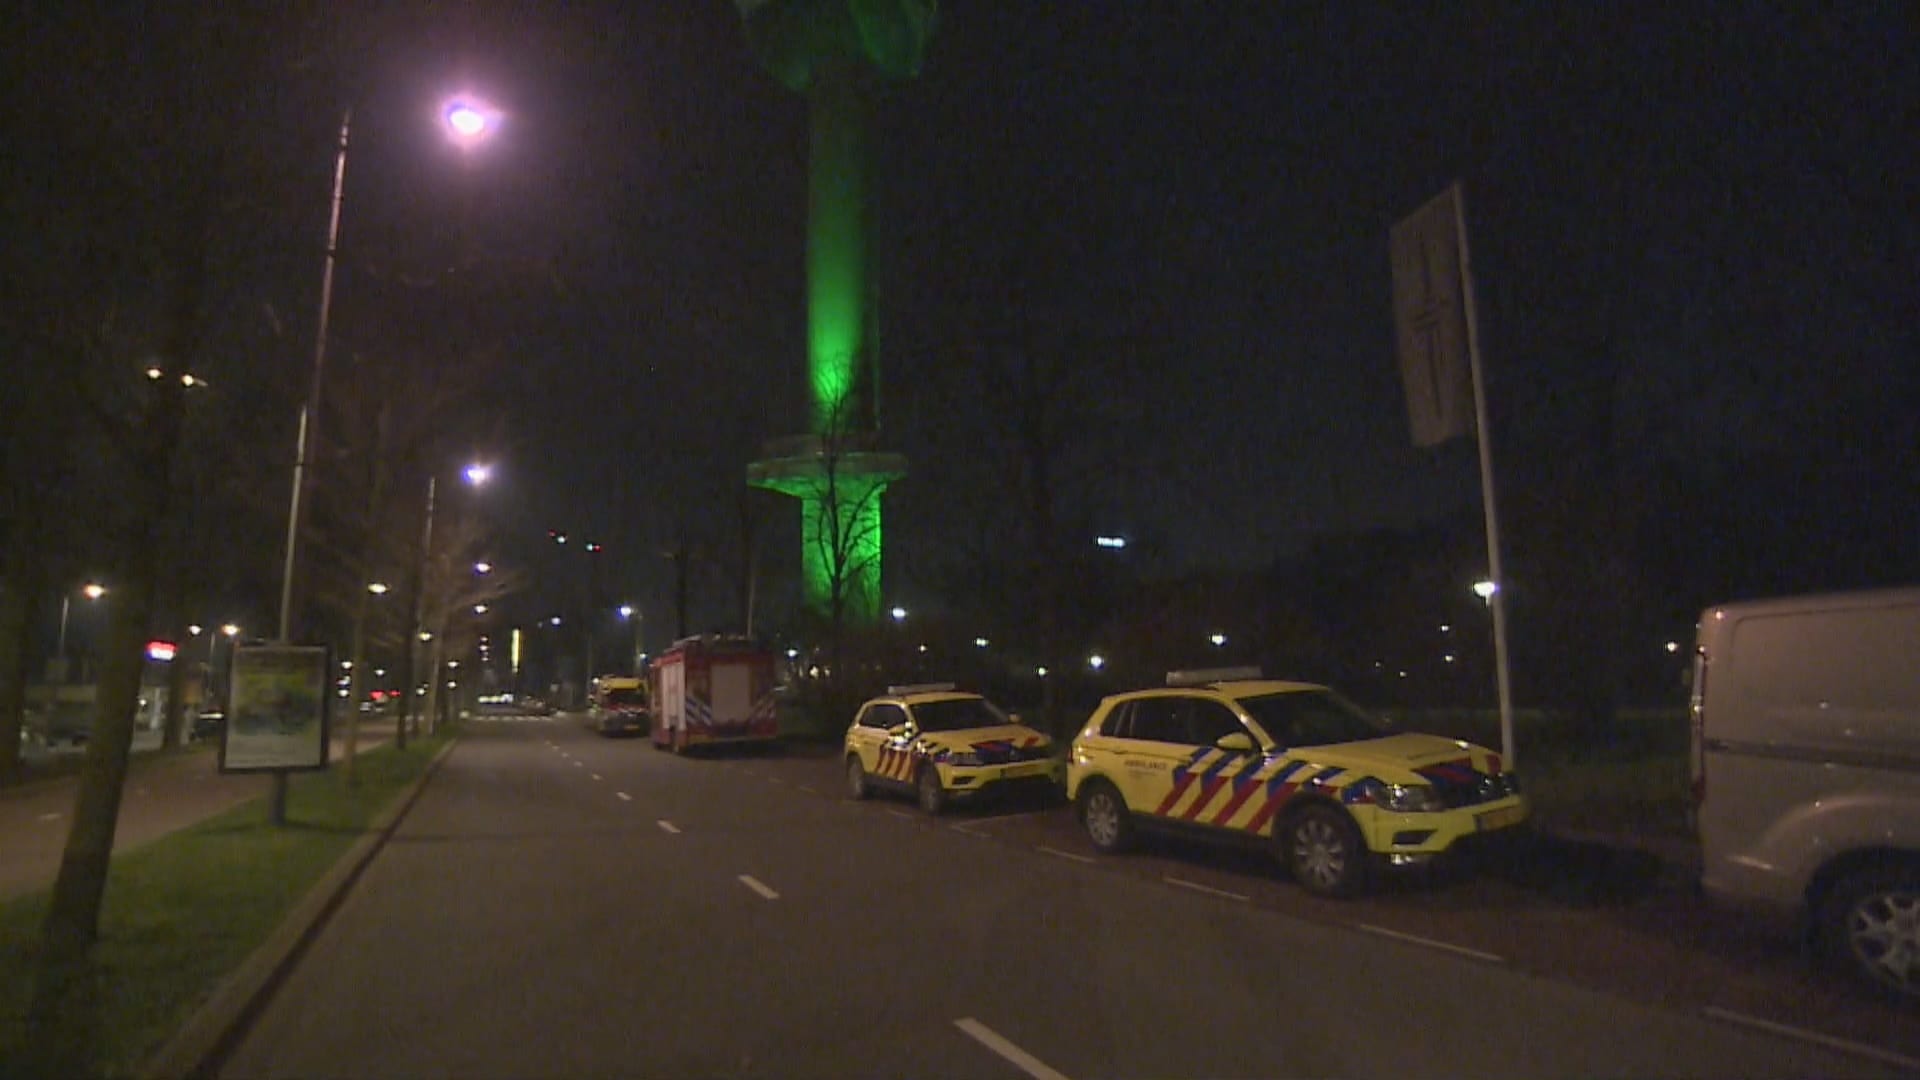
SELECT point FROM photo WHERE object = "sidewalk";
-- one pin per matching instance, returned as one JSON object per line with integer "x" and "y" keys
{"x": 164, "y": 793}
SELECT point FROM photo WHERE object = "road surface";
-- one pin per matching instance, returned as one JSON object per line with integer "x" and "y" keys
{"x": 557, "y": 904}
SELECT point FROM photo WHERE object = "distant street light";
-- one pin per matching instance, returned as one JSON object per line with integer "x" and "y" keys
{"x": 479, "y": 474}
{"x": 483, "y": 567}
{"x": 1485, "y": 589}
{"x": 1096, "y": 661}
{"x": 480, "y": 609}
{"x": 1218, "y": 639}
{"x": 1115, "y": 543}
{"x": 92, "y": 591}
{"x": 899, "y": 614}
{"x": 377, "y": 588}
{"x": 979, "y": 643}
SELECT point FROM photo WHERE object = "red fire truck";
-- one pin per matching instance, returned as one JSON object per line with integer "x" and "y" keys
{"x": 713, "y": 689}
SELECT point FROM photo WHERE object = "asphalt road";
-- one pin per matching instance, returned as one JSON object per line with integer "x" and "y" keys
{"x": 560, "y": 905}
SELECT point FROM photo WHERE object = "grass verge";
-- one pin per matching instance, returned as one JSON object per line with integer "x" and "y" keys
{"x": 182, "y": 913}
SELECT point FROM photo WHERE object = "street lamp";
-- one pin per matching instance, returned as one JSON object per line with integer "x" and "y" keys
{"x": 1484, "y": 589}
{"x": 468, "y": 121}
{"x": 92, "y": 591}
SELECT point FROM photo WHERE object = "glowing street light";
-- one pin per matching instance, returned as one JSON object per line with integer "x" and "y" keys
{"x": 483, "y": 567}
{"x": 377, "y": 588}
{"x": 899, "y": 614}
{"x": 1485, "y": 589}
{"x": 478, "y": 474}
{"x": 1217, "y": 638}
{"x": 470, "y": 120}
{"x": 1096, "y": 661}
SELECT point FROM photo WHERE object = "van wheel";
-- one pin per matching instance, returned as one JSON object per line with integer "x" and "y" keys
{"x": 1103, "y": 813}
{"x": 856, "y": 778}
{"x": 1323, "y": 851}
{"x": 1870, "y": 925}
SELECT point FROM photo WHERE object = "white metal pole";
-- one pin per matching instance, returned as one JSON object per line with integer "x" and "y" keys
{"x": 66, "y": 603}
{"x": 310, "y": 413}
{"x": 1496, "y": 602}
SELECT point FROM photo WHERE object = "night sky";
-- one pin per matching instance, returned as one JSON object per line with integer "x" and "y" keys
{"x": 1693, "y": 234}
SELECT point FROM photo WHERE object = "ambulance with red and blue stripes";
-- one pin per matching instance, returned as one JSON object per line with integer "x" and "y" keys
{"x": 1226, "y": 753}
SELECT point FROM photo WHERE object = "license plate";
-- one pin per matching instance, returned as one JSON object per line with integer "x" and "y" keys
{"x": 1501, "y": 818}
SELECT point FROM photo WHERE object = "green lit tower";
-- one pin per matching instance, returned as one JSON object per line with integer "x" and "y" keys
{"x": 837, "y": 53}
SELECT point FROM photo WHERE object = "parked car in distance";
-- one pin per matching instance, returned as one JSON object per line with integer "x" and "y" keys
{"x": 1805, "y": 768}
{"x": 942, "y": 745}
{"x": 208, "y": 725}
{"x": 619, "y": 706}
{"x": 1226, "y": 754}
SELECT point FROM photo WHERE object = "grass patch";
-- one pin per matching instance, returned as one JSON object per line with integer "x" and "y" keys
{"x": 1628, "y": 778}
{"x": 183, "y": 912}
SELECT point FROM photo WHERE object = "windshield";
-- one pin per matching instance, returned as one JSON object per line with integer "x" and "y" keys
{"x": 1311, "y": 718}
{"x": 615, "y": 698}
{"x": 957, "y": 714}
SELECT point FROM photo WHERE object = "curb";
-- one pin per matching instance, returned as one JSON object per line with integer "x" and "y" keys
{"x": 200, "y": 1046}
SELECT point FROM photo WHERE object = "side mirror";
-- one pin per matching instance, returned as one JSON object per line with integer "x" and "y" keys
{"x": 1237, "y": 742}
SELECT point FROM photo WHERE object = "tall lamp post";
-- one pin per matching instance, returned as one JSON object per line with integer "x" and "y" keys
{"x": 92, "y": 591}
{"x": 468, "y": 122}
{"x": 476, "y": 475}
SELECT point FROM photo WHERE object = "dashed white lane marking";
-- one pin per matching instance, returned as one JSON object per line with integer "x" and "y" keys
{"x": 596, "y": 776}
{"x": 1415, "y": 939}
{"x": 624, "y": 797}
{"x": 755, "y": 884}
{"x": 579, "y": 764}
{"x": 902, "y": 814}
{"x": 55, "y": 816}
{"x": 808, "y": 788}
{"x": 668, "y": 826}
{"x": 1199, "y": 888}
{"x": 1000, "y": 817}
{"x": 1863, "y": 1050}
{"x": 1065, "y": 854}
{"x": 999, "y": 1044}
{"x": 962, "y": 830}
{"x": 775, "y": 780}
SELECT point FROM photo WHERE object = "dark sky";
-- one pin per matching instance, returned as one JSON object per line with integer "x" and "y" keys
{"x": 1692, "y": 223}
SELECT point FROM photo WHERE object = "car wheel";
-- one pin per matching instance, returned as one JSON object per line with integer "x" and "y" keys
{"x": 856, "y": 778}
{"x": 1870, "y": 925}
{"x": 933, "y": 797}
{"x": 1323, "y": 851}
{"x": 1103, "y": 813}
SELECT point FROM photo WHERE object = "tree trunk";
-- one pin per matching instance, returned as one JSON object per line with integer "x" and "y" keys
{"x": 73, "y": 917}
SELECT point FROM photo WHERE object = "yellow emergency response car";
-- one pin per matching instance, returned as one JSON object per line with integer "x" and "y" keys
{"x": 1228, "y": 754}
{"x": 940, "y": 744}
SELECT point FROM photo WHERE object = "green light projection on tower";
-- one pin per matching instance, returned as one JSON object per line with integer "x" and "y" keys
{"x": 835, "y": 52}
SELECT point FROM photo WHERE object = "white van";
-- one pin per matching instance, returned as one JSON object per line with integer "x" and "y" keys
{"x": 1806, "y": 771}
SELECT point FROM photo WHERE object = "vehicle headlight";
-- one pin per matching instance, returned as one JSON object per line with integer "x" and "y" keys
{"x": 1406, "y": 798}
{"x": 963, "y": 757}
